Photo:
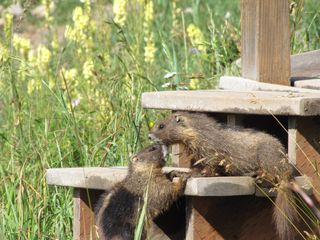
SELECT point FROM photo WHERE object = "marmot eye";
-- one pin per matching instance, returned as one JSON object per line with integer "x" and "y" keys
{"x": 161, "y": 126}
{"x": 152, "y": 149}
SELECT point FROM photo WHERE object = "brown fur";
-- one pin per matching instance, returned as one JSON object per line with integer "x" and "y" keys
{"x": 122, "y": 205}
{"x": 216, "y": 149}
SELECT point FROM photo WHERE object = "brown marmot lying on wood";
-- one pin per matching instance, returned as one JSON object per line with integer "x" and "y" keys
{"x": 217, "y": 149}
{"x": 118, "y": 211}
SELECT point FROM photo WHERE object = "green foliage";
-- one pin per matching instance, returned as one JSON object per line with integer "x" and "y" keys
{"x": 75, "y": 101}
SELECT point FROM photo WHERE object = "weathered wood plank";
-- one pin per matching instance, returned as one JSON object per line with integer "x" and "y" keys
{"x": 247, "y": 102}
{"x": 237, "y": 217}
{"x": 90, "y": 177}
{"x": 243, "y": 84}
{"x": 265, "y": 40}
{"x": 220, "y": 186}
{"x": 305, "y": 64}
{"x": 104, "y": 178}
{"x": 307, "y": 146}
{"x": 179, "y": 158}
{"x": 94, "y": 178}
{"x": 84, "y": 201}
{"x": 309, "y": 84}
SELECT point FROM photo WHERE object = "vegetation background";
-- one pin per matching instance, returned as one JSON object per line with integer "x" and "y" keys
{"x": 71, "y": 76}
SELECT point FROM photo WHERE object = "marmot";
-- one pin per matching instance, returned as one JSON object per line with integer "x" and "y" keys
{"x": 233, "y": 151}
{"x": 117, "y": 212}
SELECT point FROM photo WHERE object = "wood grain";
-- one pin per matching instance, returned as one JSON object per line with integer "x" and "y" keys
{"x": 241, "y": 218}
{"x": 265, "y": 40}
{"x": 308, "y": 150}
{"x": 238, "y": 102}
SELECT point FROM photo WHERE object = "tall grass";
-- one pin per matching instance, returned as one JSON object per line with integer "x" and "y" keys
{"x": 76, "y": 101}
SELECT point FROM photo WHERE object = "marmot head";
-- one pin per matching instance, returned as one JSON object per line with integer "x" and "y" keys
{"x": 152, "y": 156}
{"x": 173, "y": 129}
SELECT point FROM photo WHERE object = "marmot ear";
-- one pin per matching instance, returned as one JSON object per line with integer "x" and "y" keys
{"x": 134, "y": 159}
{"x": 177, "y": 118}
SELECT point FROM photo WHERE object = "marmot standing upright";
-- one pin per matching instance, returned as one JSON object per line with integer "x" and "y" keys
{"x": 117, "y": 212}
{"x": 233, "y": 151}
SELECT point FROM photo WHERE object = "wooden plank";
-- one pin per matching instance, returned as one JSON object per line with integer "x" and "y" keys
{"x": 94, "y": 178}
{"x": 84, "y": 201}
{"x": 226, "y": 101}
{"x": 265, "y": 40}
{"x": 308, "y": 150}
{"x": 179, "y": 158}
{"x": 234, "y": 120}
{"x": 243, "y": 84}
{"x": 240, "y": 217}
{"x": 76, "y": 213}
{"x": 220, "y": 186}
{"x": 292, "y": 138}
{"x": 91, "y": 177}
{"x": 305, "y": 65}
{"x": 309, "y": 83}
{"x": 104, "y": 178}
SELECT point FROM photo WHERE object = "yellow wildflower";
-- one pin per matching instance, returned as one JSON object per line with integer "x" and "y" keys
{"x": 175, "y": 14}
{"x": 8, "y": 26}
{"x": 87, "y": 6}
{"x": 4, "y": 53}
{"x": 81, "y": 20}
{"x": 119, "y": 10}
{"x": 43, "y": 56}
{"x": 196, "y": 37}
{"x": 55, "y": 44}
{"x": 32, "y": 58}
{"x": 21, "y": 44}
{"x": 82, "y": 24}
{"x": 194, "y": 84}
{"x": 88, "y": 69}
{"x": 70, "y": 74}
{"x": 52, "y": 83}
{"x": 150, "y": 49}
{"x": 151, "y": 124}
{"x": 33, "y": 84}
{"x": 69, "y": 33}
{"x": 49, "y": 8}
{"x": 148, "y": 15}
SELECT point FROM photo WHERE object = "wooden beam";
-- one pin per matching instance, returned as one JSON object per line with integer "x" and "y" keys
{"x": 237, "y": 102}
{"x": 104, "y": 179}
{"x": 243, "y": 84}
{"x": 240, "y": 217}
{"x": 90, "y": 177}
{"x": 84, "y": 201}
{"x": 178, "y": 158}
{"x": 265, "y": 40}
{"x": 308, "y": 150}
{"x": 308, "y": 83}
{"x": 306, "y": 64}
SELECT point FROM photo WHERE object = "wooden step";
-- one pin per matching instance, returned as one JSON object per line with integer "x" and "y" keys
{"x": 231, "y": 101}
{"x": 105, "y": 178}
{"x": 243, "y": 84}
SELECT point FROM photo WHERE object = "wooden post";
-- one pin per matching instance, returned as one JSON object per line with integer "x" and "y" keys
{"x": 265, "y": 40}
{"x": 307, "y": 150}
{"x": 84, "y": 201}
{"x": 178, "y": 158}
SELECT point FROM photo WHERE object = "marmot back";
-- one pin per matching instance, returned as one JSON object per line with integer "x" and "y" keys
{"x": 217, "y": 149}
{"x": 118, "y": 211}
{"x": 231, "y": 150}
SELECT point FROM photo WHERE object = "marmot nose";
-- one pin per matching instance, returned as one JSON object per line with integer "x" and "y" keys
{"x": 150, "y": 136}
